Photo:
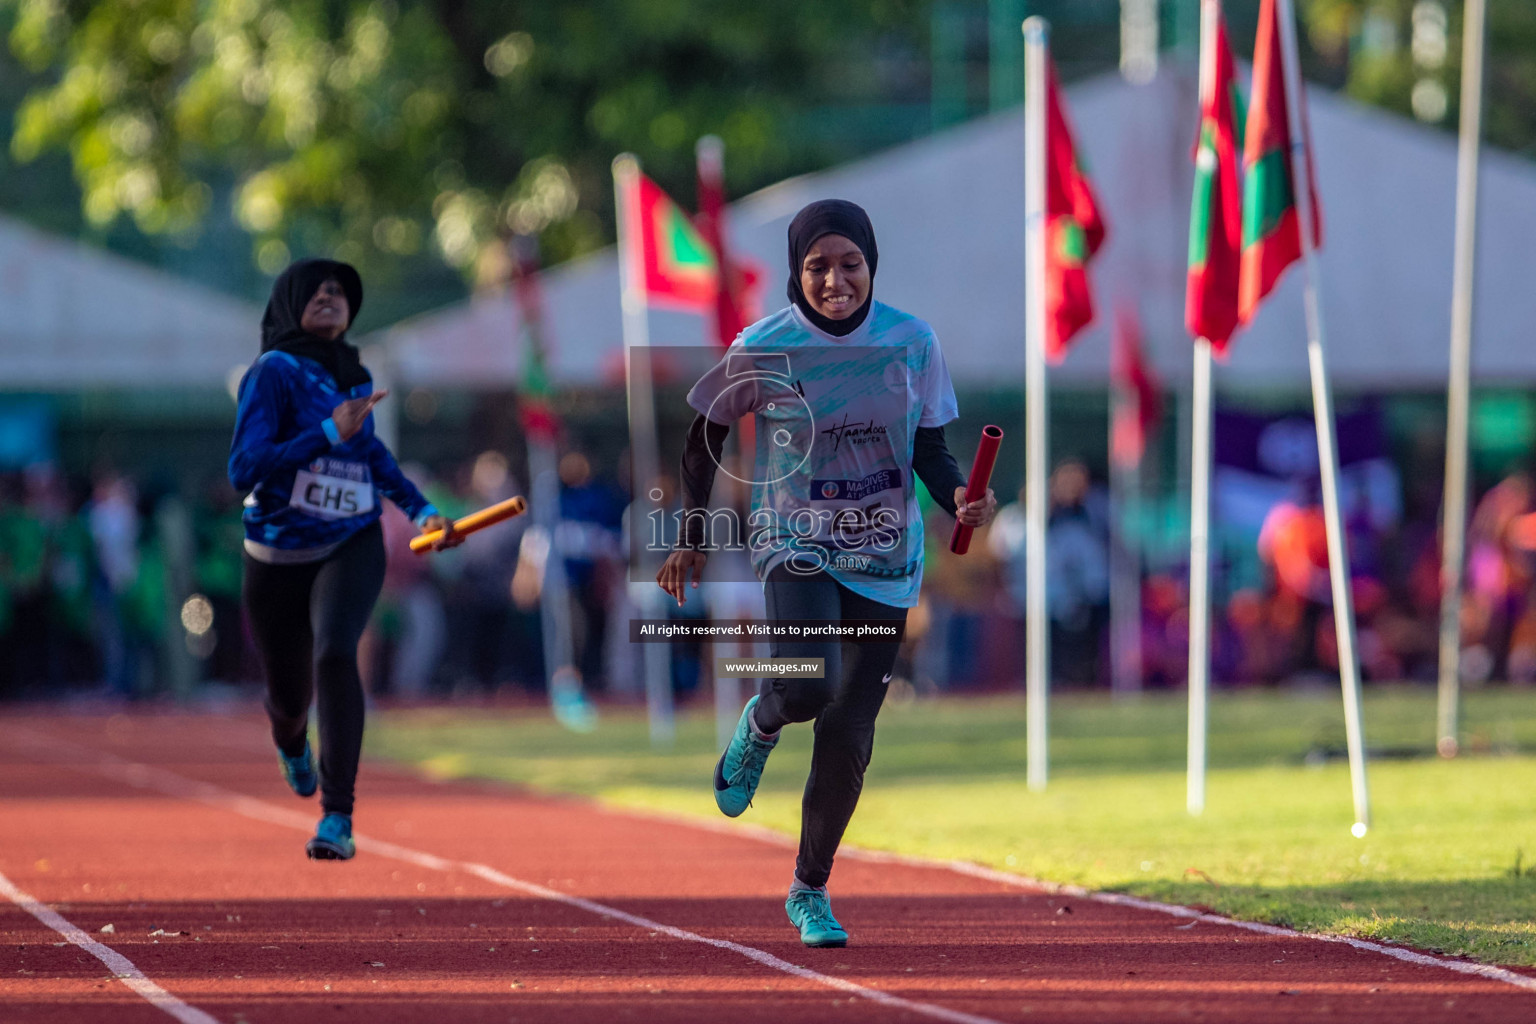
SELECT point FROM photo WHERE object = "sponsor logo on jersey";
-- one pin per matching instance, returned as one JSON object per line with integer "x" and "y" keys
{"x": 858, "y": 433}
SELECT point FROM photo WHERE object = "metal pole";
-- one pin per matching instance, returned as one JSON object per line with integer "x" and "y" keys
{"x": 1125, "y": 673}
{"x": 1037, "y": 635}
{"x": 1199, "y": 577}
{"x": 1201, "y": 415}
{"x": 642, "y": 424}
{"x": 561, "y": 679}
{"x": 1458, "y": 396}
{"x": 1327, "y": 443}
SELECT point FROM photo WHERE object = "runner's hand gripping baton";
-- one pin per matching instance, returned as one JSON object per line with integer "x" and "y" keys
{"x": 472, "y": 522}
{"x": 976, "y": 487}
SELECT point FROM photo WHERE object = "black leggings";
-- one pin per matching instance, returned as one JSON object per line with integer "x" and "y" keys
{"x": 307, "y": 620}
{"x": 843, "y": 703}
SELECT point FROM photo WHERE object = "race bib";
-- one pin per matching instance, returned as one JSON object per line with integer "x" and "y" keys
{"x": 333, "y": 489}
{"x": 864, "y": 514}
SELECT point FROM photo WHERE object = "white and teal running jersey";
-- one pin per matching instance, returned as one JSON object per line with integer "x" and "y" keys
{"x": 832, "y": 485}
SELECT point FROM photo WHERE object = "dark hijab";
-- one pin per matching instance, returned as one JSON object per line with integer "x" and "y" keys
{"x": 831, "y": 217}
{"x": 291, "y": 292}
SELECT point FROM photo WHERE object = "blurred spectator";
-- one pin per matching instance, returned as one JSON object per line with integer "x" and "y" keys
{"x": 23, "y": 590}
{"x": 1498, "y": 579}
{"x": 494, "y": 641}
{"x": 410, "y": 619}
{"x": 960, "y": 593}
{"x": 1294, "y": 543}
{"x": 591, "y": 518}
{"x": 1076, "y": 569}
{"x": 114, "y": 524}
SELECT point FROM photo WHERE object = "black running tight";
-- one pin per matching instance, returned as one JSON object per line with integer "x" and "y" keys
{"x": 844, "y": 704}
{"x": 307, "y": 620}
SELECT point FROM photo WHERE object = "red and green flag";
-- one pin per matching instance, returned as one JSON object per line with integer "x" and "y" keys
{"x": 535, "y": 407}
{"x": 1271, "y": 231}
{"x": 677, "y": 266}
{"x": 1074, "y": 228}
{"x": 737, "y": 283}
{"x": 1140, "y": 409}
{"x": 1216, "y": 215}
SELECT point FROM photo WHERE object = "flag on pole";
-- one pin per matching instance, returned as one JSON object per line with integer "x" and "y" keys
{"x": 676, "y": 266}
{"x": 738, "y": 278}
{"x": 535, "y": 411}
{"x": 1271, "y": 232}
{"x": 1216, "y": 215}
{"x": 1136, "y": 420}
{"x": 1074, "y": 228}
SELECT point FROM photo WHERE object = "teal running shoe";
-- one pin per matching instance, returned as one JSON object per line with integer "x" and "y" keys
{"x": 810, "y": 910}
{"x": 741, "y": 766}
{"x": 299, "y": 772}
{"x": 333, "y": 839}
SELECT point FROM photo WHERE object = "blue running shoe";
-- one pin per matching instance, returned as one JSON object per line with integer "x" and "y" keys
{"x": 741, "y": 766}
{"x": 333, "y": 839}
{"x": 810, "y": 910}
{"x": 299, "y": 772}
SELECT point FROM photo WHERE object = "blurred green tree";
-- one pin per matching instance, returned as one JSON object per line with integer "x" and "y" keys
{"x": 406, "y": 134}
{"x": 1406, "y": 55}
{"x": 385, "y": 130}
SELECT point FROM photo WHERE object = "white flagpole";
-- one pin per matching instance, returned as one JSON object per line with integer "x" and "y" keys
{"x": 1199, "y": 577}
{"x": 1200, "y": 501}
{"x": 561, "y": 680}
{"x": 709, "y": 157}
{"x": 1037, "y": 636}
{"x": 642, "y": 420}
{"x": 1327, "y": 443}
{"x": 1458, "y": 394}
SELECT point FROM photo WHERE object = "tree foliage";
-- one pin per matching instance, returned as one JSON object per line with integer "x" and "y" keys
{"x": 401, "y": 133}
{"x": 383, "y": 129}
{"x": 1390, "y": 48}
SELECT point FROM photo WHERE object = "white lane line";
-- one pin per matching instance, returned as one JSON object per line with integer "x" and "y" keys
{"x": 960, "y": 867}
{"x": 122, "y": 968}
{"x": 142, "y": 776}
{"x": 767, "y": 835}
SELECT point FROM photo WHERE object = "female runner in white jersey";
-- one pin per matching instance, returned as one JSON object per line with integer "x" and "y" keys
{"x": 850, "y": 398}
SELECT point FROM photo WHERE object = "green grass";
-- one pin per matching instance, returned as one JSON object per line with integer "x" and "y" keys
{"x": 1449, "y": 864}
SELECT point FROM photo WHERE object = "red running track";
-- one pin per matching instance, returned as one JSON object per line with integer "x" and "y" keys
{"x": 480, "y": 903}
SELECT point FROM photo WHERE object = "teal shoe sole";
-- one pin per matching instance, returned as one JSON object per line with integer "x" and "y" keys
{"x": 825, "y": 942}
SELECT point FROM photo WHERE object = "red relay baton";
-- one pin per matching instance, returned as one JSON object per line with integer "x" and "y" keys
{"x": 976, "y": 487}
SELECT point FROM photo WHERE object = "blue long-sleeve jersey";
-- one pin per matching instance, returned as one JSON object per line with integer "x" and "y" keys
{"x": 308, "y": 488}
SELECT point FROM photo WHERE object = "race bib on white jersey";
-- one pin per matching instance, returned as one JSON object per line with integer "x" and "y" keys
{"x": 333, "y": 489}
{"x": 854, "y": 514}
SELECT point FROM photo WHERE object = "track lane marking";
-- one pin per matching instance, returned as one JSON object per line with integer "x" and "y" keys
{"x": 122, "y": 968}
{"x": 142, "y": 776}
{"x": 1016, "y": 881}
{"x": 960, "y": 867}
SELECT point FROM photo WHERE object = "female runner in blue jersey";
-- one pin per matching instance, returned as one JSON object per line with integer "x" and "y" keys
{"x": 305, "y": 450}
{"x": 850, "y": 398}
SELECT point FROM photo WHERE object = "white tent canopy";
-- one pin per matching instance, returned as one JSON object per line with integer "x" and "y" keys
{"x": 72, "y": 317}
{"x": 949, "y": 213}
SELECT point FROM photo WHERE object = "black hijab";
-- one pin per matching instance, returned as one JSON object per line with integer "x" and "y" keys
{"x": 831, "y": 217}
{"x": 291, "y": 292}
